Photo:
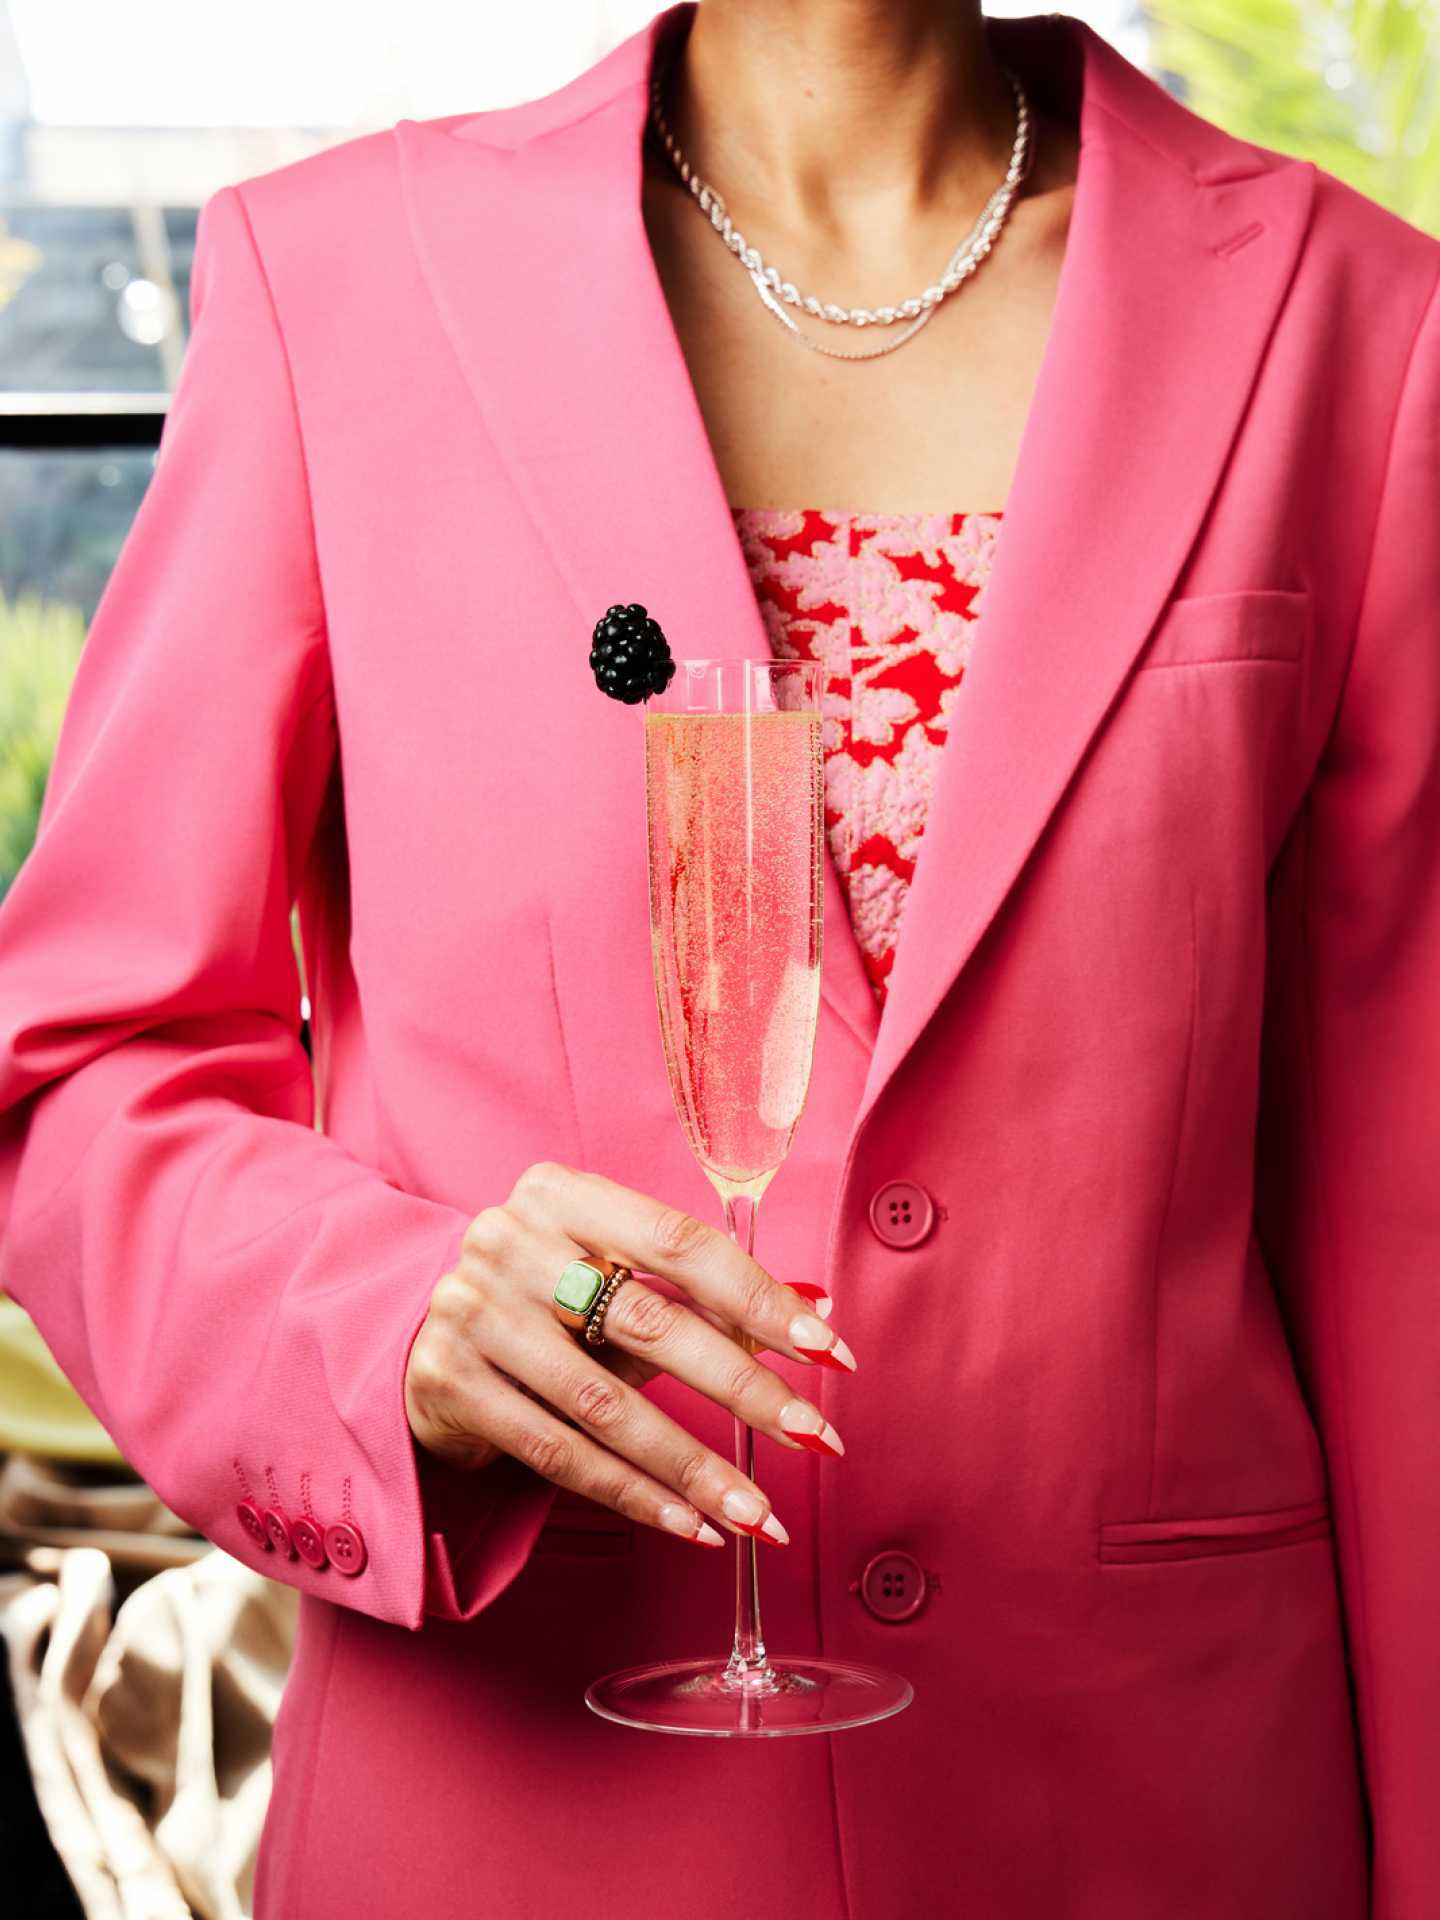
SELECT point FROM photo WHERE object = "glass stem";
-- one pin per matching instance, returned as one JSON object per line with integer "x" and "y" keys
{"x": 748, "y": 1661}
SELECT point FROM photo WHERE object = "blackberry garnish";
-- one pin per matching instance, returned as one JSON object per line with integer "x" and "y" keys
{"x": 629, "y": 654}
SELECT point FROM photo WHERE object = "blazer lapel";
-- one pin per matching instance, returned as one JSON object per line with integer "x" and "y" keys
{"x": 1176, "y": 263}
{"x": 539, "y": 263}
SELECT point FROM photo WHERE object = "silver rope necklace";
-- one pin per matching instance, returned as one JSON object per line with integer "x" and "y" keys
{"x": 773, "y": 289}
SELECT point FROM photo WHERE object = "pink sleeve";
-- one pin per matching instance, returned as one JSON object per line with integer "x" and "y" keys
{"x": 233, "y": 1293}
{"x": 1349, "y": 1146}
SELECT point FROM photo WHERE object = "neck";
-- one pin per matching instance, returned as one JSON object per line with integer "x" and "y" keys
{"x": 838, "y": 112}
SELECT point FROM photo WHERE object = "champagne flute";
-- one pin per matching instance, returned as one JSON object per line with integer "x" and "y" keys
{"x": 734, "y": 788}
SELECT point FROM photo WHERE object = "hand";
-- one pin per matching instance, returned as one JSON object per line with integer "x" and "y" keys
{"x": 492, "y": 1370}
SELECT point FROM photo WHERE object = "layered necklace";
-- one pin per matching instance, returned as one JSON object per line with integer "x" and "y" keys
{"x": 777, "y": 293}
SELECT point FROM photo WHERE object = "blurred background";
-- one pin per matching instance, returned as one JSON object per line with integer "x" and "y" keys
{"x": 117, "y": 121}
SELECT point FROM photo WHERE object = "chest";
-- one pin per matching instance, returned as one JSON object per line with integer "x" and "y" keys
{"x": 934, "y": 425}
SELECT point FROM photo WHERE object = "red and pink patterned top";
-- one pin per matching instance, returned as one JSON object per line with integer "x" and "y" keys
{"x": 887, "y": 603}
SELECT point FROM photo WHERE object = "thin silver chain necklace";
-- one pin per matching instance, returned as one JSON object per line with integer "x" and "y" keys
{"x": 773, "y": 289}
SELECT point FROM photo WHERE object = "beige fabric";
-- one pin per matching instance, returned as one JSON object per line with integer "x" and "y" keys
{"x": 147, "y": 1729}
{"x": 61, "y": 1503}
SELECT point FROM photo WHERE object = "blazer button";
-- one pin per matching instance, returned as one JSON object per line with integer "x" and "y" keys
{"x": 345, "y": 1546}
{"x": 309, "y": 1542}
{"x": 901, "y": 1213}
{"x": 893, "y": 1586}
{"x": 278, "y": 1528}
{"x": 251, "y": 1516}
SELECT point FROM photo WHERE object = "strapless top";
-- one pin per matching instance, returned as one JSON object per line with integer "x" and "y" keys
{"x": 888, "y": 604}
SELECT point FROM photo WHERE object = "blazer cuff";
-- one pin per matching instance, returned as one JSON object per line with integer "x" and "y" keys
{"x": 478, "y": 1526}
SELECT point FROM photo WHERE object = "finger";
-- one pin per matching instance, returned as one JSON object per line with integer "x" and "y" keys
{"x": 670, "y": 1336}
{"x": 824, "y": 1306}
{"x": 629, "y": 1367}
{"x": 504, "y": 1412}
{"x": 535, "y": 1349}
{"x": 625, "y": 1225}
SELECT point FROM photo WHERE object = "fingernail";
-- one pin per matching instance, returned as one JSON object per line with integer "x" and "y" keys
{"x": 741, "y": 1507}
{"x": 744, "y": 1509}
{"x": 801, "y": 1422}
{"x": 823, "y": 1304}
{"x": 816, "y": 1341}
{"x": 771, "y": 1530}
{"x": 681, "y": 1520}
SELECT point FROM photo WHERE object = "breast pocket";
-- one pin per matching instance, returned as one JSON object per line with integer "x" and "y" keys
{"x": 1251, "y": 625}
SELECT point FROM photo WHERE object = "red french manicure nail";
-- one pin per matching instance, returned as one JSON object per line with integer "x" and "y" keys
{"x": 816, "y": 1442}
{"x": 759, "y": 1533}
{"x": 808, "y": 1337}
{"x": 824, "y": 1357}
{"x": 768, "y": 1529}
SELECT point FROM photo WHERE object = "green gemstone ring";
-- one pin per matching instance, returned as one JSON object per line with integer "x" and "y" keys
{"x": 584, "y": 1292}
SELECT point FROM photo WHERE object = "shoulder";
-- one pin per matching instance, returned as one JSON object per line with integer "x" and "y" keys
{"x": 356, "y": 179}
{"x": 325, "y": 206}
{"x": 350, "y": 193}
{"x": 1350, "y": 241}
{"x": 1351, "y": 231}
{"x": 325, "y": 201}
{"x": 1370, "y": 281}
{"x": 323, "y": 226}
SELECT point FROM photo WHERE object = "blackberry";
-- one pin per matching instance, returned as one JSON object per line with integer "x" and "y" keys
{"x": 629, "y": 654}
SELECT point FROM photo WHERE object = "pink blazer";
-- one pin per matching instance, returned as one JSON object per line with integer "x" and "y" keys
{"x": 1128, "y": 1205}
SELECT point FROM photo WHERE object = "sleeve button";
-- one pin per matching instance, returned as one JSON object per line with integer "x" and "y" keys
{"x": 277, "y": 1525}
{"x": 309, "y": 1541}
{"x": 251, "y": 1516}
{"x": 345, "y": 1546}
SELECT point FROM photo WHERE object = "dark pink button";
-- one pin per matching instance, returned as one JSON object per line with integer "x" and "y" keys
{"x": 893, "y": 1586}
{"x": 251, "y": 1516}
{"x": 277, "y": 1525}
{"x": 901, "y": 1213}
{"x": 345, "y": 1546}
{"x": 309, "y": 1541}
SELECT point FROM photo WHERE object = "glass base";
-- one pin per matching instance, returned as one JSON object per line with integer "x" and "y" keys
{"x": 718, "y": 1698}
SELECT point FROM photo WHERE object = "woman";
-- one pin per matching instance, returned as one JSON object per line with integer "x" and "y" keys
{"x": 1122, "y": 1209}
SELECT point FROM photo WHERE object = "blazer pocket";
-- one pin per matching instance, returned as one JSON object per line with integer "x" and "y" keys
{"x": 579, "y": 1526}
{"x": 1249, "y": 624}
{"x": 1134, "y": 1542}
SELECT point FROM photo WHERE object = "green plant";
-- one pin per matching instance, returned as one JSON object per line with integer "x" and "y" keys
{"x": 1353, "y": 85}
{"x": 40, "y": 643}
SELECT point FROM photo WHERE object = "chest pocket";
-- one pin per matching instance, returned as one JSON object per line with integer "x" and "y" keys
{"x": 1251, "y": 624}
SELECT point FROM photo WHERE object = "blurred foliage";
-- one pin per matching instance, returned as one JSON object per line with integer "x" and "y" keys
{"x": 1353, "y": 85}
{"x": 40, "y": 643}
